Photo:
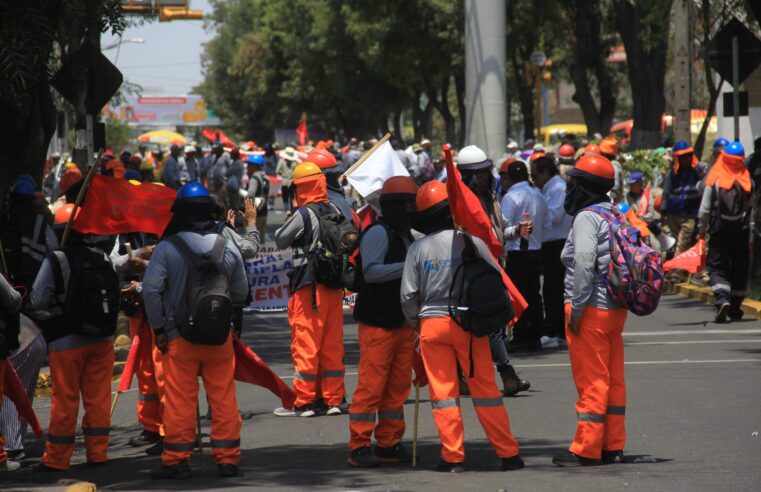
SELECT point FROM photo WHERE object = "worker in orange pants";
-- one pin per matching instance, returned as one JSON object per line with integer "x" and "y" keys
{"x": 149, "y": 410}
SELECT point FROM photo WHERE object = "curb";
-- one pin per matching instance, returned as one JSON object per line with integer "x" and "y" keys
{"x": 703, "y": 294}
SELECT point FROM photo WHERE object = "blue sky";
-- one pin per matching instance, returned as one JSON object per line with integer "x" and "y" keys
{"x": 169, "y": 62}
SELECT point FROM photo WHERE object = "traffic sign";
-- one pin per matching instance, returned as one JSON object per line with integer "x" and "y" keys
{"x": 89, "y": 67}
{"x": 720, "y": 51}
{"x": 538, "y": 58}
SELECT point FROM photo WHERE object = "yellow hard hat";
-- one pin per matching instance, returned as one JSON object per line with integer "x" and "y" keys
{"x": 135, "y": 182}
{"x": 146, "y": 166}
{"x": 69, "y": 165}
{"x": 304, "y": 170}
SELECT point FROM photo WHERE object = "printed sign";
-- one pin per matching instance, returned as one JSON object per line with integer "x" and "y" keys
{"x": 162, "y": 111}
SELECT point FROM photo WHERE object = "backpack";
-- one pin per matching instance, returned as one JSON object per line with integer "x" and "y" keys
{"x": 262, "y": 185}
{"x": 732, "y": 209}
{"x": 91, "y": 302}
{"x": 207, "y": 295}
{"x": 336, "y": 241}
{"x": 634, "y": 279}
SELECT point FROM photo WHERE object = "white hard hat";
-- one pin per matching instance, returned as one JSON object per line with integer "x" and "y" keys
{"x": 472, "y": 158}
{"x": 539, "y": 148}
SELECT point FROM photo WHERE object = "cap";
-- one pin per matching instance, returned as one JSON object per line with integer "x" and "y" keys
{"x": 634, "y": 177}
{"x": 189, "y": 148}
{"x": 425, "y": 142}
{"x": 192, "y": 190}
{"x": 513, "y": 145}
{"x": 257, "y": 159}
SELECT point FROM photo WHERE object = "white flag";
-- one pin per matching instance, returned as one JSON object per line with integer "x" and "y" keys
{"x": 381, "y": 165}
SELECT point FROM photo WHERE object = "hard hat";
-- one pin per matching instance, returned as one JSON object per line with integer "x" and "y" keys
{"x": 624, "y": 207}
{"x": 593, "y": 165}
{"x": 189, "y": 149}
{"x": 257, "y": 159}
{"x": 159, "y": 183}
{"x": 432, "y": 196}
{"x": 135, "y": 182}
{"x": 536, "y": 155}
{"x": 70, "y": 165}
{"x": 609, "y": 146}
{"x": 192, "y": 190}
{"x": 69, "y": 179}
{"x": 735, "y": 149}
{"x": 23, "y": 187}
{"x": 680, "y": 148}
{"x": 566, "y": 151}
{"x": 146, "y": 166}
{"x": 513, "y": 145}
{"x": 472, "y": 158}
{"x": 323, "y": 158}
{"x": 64, "y": 212}
{"x": 399, "y": 188}
{"x": 592, "y": 149}
{"x": 503, "y": 167}
{"x": 304, "y": 170}
{"x": 720, "y": 142}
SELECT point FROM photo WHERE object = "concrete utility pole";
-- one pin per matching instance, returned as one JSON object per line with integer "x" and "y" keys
{"x": 485, "y": 84}
{"x": 683, "y": 69}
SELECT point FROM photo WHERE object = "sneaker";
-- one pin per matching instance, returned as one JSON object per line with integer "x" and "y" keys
{"x": 145, "y": 438}
{"x": 227, "y": 470}
{"x": 363, "y": 458}
{"x": 43, "y": 468}
{"x": 550, "y": 342}
{"x": 180, "y": 471}
{"x": 394, "y": 454}
{"x": 319, "y": 407}
{"x": 157, "y": 449}
{"x": 344, "y": 405}
{"x": 722, "y": 312}
{"x": 447, "y": 467}
{"x": 512, "y": 463}
{"x": 336, "y": 410}
{"x": 735, "y": 314}
{"x": 569, "y": 459}
{"x": 9, "y": 466}
{"x": 302, "y": 411}
{"x": 611, "y": 457}
{"x": 17, "y": 455}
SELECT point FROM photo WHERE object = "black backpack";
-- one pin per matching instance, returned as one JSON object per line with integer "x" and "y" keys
{"x": 337, "y": 240}
{"x": 207, "y": 296}
{"x": 91, "y": 302}
{"x": 262, "y": 185}
{"x": 732, "y": 209}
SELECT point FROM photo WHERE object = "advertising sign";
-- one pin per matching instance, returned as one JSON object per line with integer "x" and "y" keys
{"x": 162, "y": 111}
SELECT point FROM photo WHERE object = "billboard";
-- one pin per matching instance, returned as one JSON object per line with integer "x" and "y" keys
{"x": 163, "y": 111}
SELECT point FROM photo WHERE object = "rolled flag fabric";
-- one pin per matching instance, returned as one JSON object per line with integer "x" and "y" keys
{"x": 693, "y": 260}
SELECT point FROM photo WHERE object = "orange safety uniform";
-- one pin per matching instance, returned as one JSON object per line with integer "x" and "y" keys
{"x": 150, "y": 376}
{"x": 597, "y": 362}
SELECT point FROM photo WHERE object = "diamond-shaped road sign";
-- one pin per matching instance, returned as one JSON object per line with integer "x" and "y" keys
{"x": 88, "y": 65}
{"x": 720, "y": 50}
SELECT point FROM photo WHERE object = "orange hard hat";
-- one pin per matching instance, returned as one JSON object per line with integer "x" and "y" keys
{"x": 323, "y": 158}
{"x": 566, "y": 151}
{"x": 593, "y": 165}
{"x": 503, "y": 167}
{"x": 64, "y": 212}
{"x": 609, "y": 146}
{"x": 592, "y": 149}
{"x": 431, "y": 194}
{"x": 537, "y": 155}
{"x": 400, "y": 188}
{"x": 70, "y": 178}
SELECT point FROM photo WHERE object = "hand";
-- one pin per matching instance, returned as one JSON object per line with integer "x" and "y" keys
{"x": 132, "y": 289}
{"x": 136, "y": 264}
{"x": 573, "y": 325}
{"x": 231, "y": 217}
{"x": 526, "y": 225}
{"x": 162, "y": 342}
{"x": 250, "y": 212}
{"x": 146, "y": 251}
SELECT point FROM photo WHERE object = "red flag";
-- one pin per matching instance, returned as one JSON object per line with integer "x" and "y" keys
{"x": 16, "y": 393}
{"x": 116, "y": 206}
{"x": 470, "y": 216}
{"x": 693, "y": 260}
{"x": 249, "y": 368}
{"x": 133, "y": 361}
{"x": 366, "y": 216}
{"x": 302, "y": 132}
{"x": 421, "y": 377}
{"x": 217, "y": 136}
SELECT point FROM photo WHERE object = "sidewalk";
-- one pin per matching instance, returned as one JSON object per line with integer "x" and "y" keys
{"x": 703, "y": 294}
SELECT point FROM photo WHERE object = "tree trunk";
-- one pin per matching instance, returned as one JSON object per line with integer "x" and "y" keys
{"x": 700, "y": 141}
{"x": 459, "y": 84}
{"x": 398, "y": 125}
{"x": 525, "y": 97}
{"x": 446, "y": 113}
{"x": 583, "y": 97}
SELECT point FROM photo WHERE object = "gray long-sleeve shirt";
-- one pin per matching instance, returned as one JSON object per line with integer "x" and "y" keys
{"x": 587, "y": 253}
{"x": 428, "y": 272}
{"x": 248, "y": 244}
{"x": 373, "y": 249}
{"x": 165, "y": 281}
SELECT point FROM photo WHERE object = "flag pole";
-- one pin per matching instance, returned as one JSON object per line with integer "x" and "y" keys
{"x": 365, "y": 156}
{"x": 414, "y": 431}
{"x": 113, "y": 403}
{"x": 80, "y": 197}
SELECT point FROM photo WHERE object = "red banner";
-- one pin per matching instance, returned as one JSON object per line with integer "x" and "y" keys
{"x": 217, "y": 136}
{"x": 249, "y": 368}
{"x": 16, "y": 393}
{"x": 693, "y": 260}
{"x": 116, "y": 206}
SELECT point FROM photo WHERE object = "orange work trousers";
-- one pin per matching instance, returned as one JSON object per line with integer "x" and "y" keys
{"x": 3, "y": 454}
{"x": 183, "y": 363}
{"x": 86, "y": 370}
{"x": 385, "y": 376}
{"x": 317, "y": 344}
{"x": 597, "y": 362}
{"x": 444, "y": 344}
{"x": 149, "y": 373}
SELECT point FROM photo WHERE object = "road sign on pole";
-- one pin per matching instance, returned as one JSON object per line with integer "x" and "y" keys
{"x": 538, "y": 58}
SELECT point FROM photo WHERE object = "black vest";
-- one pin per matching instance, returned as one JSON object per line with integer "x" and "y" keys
{"x": 379, "y": 304}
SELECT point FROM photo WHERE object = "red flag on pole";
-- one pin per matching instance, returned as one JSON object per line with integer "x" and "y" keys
{"x": 217, "y": 136}
{"x": 132, "y": 363}
{"x": 302, "y": 132}
{"x": 116, "y": 206}
{"x": 693, "y": 260}
{"x": 16, "y": 393}
{"x": 470, "y": 216}
{"x": 250, "y": 368}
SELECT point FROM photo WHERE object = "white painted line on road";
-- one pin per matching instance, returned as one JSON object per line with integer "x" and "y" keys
{"x": 691, "y": 342}
{"x": 692, "y": 332}
{"x": 652, "y": 362}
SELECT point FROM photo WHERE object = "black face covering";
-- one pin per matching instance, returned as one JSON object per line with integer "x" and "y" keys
{"x": 580, "y": 195}
{"x": 332, "y": 180}
{"x": 192, "y": 217}
{"x": 430, "y": 221}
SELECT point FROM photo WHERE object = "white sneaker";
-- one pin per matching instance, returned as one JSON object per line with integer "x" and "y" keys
{"x": 9, "y": 466}
{"x": 334, "y": 411}
{"x": 550, "y": 342}
{"x": 294, "y": 412}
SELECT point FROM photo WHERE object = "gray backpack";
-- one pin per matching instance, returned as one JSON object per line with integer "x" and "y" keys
{"x": 210, "y": 308}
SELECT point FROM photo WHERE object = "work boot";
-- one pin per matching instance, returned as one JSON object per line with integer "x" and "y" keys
{"x": 512, "y": 463}
{"x": 722, "y": 312}
{"x": 511, "y": 382}
{"x": 156, "y": 449}
{"x": 363, "y": 457}
{"x": 180, "y": 471}
{"x": 568, "y": 459}
{"x": 145, "y": 438}
{"x": 447, "y": 467}
{"x": 394, "y": 454}
{"x": 735, "y": 314}
{"x": 610, "y": 457}
{"x": 9, "y": 466}
{"x": 227, "y": 470}
{"x": 464, "y": 390}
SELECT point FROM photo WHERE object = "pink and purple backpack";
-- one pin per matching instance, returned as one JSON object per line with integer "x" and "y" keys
{"x": 634, "y": 279}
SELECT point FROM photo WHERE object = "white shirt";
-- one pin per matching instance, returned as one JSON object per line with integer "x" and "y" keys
{"x": 520, "y": 199}
{"x": 558, "y": 223}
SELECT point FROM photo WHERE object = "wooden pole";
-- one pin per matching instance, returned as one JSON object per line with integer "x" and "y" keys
{"x": 415, "y": 427}
{"x": 113, "y": 403}
{"x": 365, "y": 156}
{"x": 80, "y": 197}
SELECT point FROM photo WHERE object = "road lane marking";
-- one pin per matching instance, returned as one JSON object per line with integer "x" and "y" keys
{"x": 752, "y": 331}
{"x": 690, "y": 342}
{"x": 651, "y": 362}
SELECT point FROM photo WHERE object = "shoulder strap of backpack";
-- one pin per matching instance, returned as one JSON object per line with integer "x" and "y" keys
{"x": 307, "y": 220}
{"x": 218, "y": 251}
{"x": 182, "y": 247}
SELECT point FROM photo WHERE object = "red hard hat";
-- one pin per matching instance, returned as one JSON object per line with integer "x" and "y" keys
{"x": 505, "y": 164}
{"x": 566, "y": 150}
{"x": 323, "y": 158}
{"x": 594, "y": 165}
{"x": 64, "y": 212}
{"x": 431, "y": 194}
{"x": 399, "y": 187}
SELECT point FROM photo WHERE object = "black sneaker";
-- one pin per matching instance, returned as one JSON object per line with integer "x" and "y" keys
{"x": 610, "y": 457}
{"x": 43, "y": 468}
{"x": 145, "y": 438}
{"x": 180, "y": 471}
{"x": 227, "y": 470}
{"x": 722, "y": 312}
{"x": 363, "y": 458}
{"x": 512, "y": 463}
{"x": 568, "y": 459}
{"x": 394, "y": 454}
{"x": 156, "y": 449}
{"x": 735, "y": 314}
{"x": 447, "y": 467}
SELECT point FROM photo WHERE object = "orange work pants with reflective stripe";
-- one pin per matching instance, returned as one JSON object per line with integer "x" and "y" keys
{"x": 3, "y": 454}
{"x": 149, "y": 372}
{"x": 86, "y": 370}
{"x": 444, "y": 344}
{"x": 385, "y": 375}
{"x": 183, "y": 363}
{"x": 597, "y": 362}
{"x": 317, "y": 344}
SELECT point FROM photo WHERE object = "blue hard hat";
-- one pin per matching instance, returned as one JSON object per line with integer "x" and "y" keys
{"x": 132, "y": 174}
{"x": 23, "y": 187}
{"x": 256, "y": 159}
{"x": 192, "y": 190}
{"x": 623, "y": 207}
{"x": 680, "y": 145}
{"x": 720, "y": 142}
{"x": 735, "y": 148}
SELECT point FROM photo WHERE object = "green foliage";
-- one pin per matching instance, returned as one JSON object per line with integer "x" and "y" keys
{"x": 649, "y": 162}
{"x": 118, "y": 134}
